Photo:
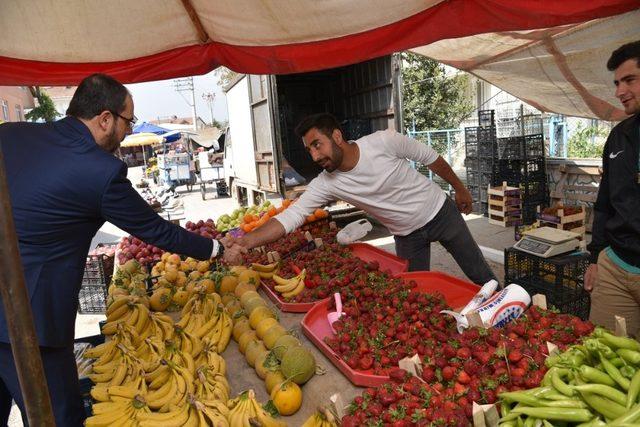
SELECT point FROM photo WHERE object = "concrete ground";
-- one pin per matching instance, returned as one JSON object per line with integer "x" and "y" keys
{"x": 492, "y": 239}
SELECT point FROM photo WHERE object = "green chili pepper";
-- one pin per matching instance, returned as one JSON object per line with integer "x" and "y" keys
{"x": 556, "y": 414}
{"x": 560, "y": 385}
{"x": 619, "y": 342}
{"x": 615, "y": 374}
{"x": 630, "y": 356}
{"x": 566, "y": 403}
{"x": 618, "y": 362}
{"x": 630, "y": 416}
{"x": 627, "y": 371}
{"x": 593, "y": 375}
{"x": 604, "y": 390}
{"x": 634, "y": 390}
{"x": 606, "y": 407}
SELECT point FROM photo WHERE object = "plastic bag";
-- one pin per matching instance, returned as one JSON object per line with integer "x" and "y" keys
{"x": 354, "y": 231}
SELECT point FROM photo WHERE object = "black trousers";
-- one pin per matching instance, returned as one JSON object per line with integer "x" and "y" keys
{"x": 62, "y": 380}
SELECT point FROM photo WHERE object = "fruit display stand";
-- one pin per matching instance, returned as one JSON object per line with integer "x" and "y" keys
{"x": 365, "y": 252}
{"x": 316, "y": 326}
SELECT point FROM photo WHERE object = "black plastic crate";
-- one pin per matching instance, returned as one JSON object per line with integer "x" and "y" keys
{"x": 483, "y": 194}
{"x": 533, "y": 146}
{"x": 487, "y": 134}
{"x": 559, "y": 278}
{"x": 98, "y": 270}
{"x": 534, "y": 191}
{"x": 471, "y": 135}
{"x": 92, "y": 299}
{"x": 510, "y": 147}
{"x": 480, "y": 208}
{"x": 85, "y": 383}
{"x": 530, "y": 211}
{"x": 486, "y": 117}
{"x": 473, "y": 177}
{"x": 486, "y": 179}
{"x": 534, "y": 170}
{"x": 475, "y": 192}
{"x": 485, "y": 165}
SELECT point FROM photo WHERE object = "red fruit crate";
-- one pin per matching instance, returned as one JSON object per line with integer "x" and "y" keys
{"x": 316, "y": 327}
{"x": 364, "y": 251}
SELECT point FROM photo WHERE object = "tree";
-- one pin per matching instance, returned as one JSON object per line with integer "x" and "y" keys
{"x": 46, "y": 109}
{"x": 432, "y": 99}
{"x": 587, "y": 142}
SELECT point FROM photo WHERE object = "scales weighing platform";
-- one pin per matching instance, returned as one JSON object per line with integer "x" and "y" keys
{"x": 547, "y": 242}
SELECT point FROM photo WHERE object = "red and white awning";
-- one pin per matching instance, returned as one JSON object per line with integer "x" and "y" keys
{"x": 58, "y": 43}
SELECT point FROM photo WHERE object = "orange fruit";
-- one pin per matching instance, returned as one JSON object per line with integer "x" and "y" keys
{"x": 311, "y": 218}
{"x": 273, "y": 211}
{"x": 160, "y": 299}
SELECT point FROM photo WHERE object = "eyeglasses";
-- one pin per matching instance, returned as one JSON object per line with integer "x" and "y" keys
{"x": 131, "y": 121}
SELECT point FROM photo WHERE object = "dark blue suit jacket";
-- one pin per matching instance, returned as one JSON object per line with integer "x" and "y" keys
{"x": 63, "y": 187}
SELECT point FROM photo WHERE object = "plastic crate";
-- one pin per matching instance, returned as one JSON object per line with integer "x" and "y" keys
{"x": 473, "y": 177}
{"x": 487, "y": 134}
{"x": 483, "y": 193}
{"x": 533, "y": 146}
{"x": 510, "y": 147}
{"x": 92, "y": 299}
{"x": 475, "y": 191}
{"x": 480, "y": 208}
{"x": 98, "y": 270}
{"x": 530, "y": 212}
{"x": 534, "y": 191}
{"x": 487, "y": 117}
{"x": 85, "y": 383}
{"x": 471, "y": 135}
{"x": 486, "y": 164}
{"x": 559, "y": 278}
{"x": 486, "y": 179}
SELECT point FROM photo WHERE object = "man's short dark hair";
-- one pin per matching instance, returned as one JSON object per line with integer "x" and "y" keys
{"x": 324, "y": 122}
{"x": 624, "y": 53}
{"x": 95, "y": 94}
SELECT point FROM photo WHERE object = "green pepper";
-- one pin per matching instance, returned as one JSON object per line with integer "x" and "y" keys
{"x": 529, "y": 422}
{"x": 634, "y": 390}
{"x": 615, "y": 374}
{"x": 630, "y": 356}
{"x": 556, "y": 414}
{"x": 593, "y": 375}
{"x": 604, "y": 390}
{"x": 606, "y": 407}
{"x": 619, "y": 342}
{"x": 566, "y": 403}
{"x": 631, "y": 416}
{"x": 519, "y": 397}
{"x": 627, "y": 371}
{"x": 560, "y": 385}
{"x": 618, "y": 362}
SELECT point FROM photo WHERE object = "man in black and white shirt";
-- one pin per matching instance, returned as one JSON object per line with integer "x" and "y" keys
{"x": 373, "y": 174}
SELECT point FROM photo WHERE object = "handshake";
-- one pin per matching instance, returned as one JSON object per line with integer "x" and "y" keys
{"x": 233, "y": 250}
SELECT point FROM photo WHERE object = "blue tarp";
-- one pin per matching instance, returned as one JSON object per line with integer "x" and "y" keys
{"x": 151, "y": 128}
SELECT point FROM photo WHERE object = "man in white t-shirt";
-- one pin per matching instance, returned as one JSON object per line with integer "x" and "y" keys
{"x": 373, "y": 173}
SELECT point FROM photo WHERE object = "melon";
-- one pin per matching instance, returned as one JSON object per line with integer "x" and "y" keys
{"x": 245, "y": 339}
{"x": 259, "y": 314}
{"x": 263, "y": 364}
{"x": 252, "y": 304}
{"x": 233, "y": 308}
{"x": 271, "y": 336}
{"x": 228, "y": 299}
{"x": 254, "y": 349}
{"x": 247, "y": 296}
{"x": 272, "y": 379}
{"x": 263, "y": 326}
{"x": 242, "y": 288}
{"x": 298, "y": 364}
{"x": 283, "y": 344}
{"x": 240, "y": 327}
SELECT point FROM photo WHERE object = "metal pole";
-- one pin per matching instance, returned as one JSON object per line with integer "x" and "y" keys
{"x": 193, "y": 106}
{"x": 17, "y": 311}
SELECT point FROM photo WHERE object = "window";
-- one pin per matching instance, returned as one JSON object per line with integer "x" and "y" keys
{"x": 19, "y": 113}
{"x": 5, "y": 110}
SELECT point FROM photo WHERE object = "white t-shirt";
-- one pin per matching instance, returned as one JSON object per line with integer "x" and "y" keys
{"x": 382, "y": 183}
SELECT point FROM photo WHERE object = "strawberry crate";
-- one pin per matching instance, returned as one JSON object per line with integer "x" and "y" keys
{"x": 559, "y": 278}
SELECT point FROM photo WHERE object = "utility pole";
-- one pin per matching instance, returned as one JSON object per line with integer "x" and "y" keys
{"x": 209, "y": 97}
{"x": 186, "y": 85}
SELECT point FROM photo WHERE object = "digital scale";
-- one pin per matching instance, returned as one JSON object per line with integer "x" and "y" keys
{"x": 546, "y": 242}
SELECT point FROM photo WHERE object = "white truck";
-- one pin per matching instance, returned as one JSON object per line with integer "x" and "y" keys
{"x": 264, "y": 110}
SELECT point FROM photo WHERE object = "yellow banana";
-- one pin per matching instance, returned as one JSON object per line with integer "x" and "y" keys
{"x": 99, "y": 350}
{"x": 281, "y": 281}
{"x": 99, "y": 393}
{"x": 123, "y": 391}
{"x": 225, "y": 336}
{"x": 265, "y": 419}
{"x": 119, "y": 375}
{"x": 264, "y": 268}
{"x": 295, "y": 291}
{"x": 106, "y": 407}
{"x": 163, "y": 395}
{"x": 117, "y": 303}
{"x": 174, "y": 418}
{"x": 266, "y": 275}
{"x": 105, "y": 420}
{"x": 161, "y": 379}
{"x": 192, "y": 421}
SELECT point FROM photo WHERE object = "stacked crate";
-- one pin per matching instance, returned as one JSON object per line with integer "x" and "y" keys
{"x": 521, "y": 163}
{"x": 569, "y": 218}
{"x": 505, "y": 207}
{"x": 480, "y": 145}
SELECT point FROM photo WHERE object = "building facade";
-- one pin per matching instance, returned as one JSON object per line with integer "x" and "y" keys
{"x": 15, "y": 102}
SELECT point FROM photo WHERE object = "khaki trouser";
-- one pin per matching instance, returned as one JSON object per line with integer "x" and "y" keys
{"x": 616, "y": 292}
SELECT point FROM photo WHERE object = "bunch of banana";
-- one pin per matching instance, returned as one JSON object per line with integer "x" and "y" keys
{"x": 121, "y": 410}
{"x": 210, "y": 357}
{"x": 266, "y": 271}
{"x": 161, "y": 325}
{"x": 174, "y": 354}
{"x": 187, "y": 342}
{"x": 323, "y": 417}
{"x": 173, "y": 388}
{"x": 245, "y": 410}
{"x": 208, "y": 321}
{"x": 201, "y": 302}
{"x": 174, "y": 416}
{"x": 211, "y": 385}
{"x": 289, "y": 288}
{"x": 104, "y": 393}
{"x": 150, "y": 352}
{"x": 135, "y": 314}
{"x": 208, "y": 413}
{"x": 121, "y": 370}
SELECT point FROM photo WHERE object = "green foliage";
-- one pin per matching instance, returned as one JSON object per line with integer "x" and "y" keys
{"x": 45, "y": 110}
{"x": 432, "y": 99}
{"x": 587, "y": 142}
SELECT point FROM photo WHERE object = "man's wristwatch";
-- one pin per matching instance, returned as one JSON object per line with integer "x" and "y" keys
{"x": 220, "y": 250}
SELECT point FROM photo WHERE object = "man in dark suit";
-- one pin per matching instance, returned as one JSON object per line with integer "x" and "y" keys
{"x": 64, "y": 183}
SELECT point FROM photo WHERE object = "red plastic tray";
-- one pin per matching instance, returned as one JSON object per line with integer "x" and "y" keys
{"x": 363, "y": 251}
{"x": 387, "y": 260}
{"x": 316, "y": 327}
